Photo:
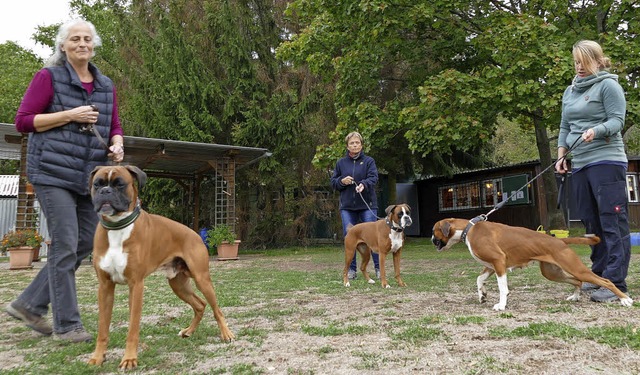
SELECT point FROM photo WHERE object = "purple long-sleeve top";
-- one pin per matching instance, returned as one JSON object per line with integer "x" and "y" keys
{"x": 39, "y": 95}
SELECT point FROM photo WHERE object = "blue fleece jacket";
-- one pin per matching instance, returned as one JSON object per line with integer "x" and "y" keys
{"x": 597, "y": 102}
{"x": 363, "y": 170}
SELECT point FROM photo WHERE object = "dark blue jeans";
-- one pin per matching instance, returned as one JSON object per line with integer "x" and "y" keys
{"x": 353, "y": 218}
{"x": 601, "y": 194}
{"x": 72, "y": 222}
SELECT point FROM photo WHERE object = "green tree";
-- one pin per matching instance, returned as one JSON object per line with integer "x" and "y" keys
{"x": 206, "y": 72}
{"x": 464, "y": 65}
{"x": 18, "y": 67}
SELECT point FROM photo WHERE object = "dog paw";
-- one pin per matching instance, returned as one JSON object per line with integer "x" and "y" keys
{"x": 226, "y": 335}
{"x": 347, "y": 284}
{"x": 499, "y": 307}
{"x": 574, "y": 297}
{"x": 184, "y": 333}
{"x": 96, "y": 360}
{"x": 387, "y": 286}
{"x": 628, "y": 302}
{"x": 128, "y": 364}
{"x": 482, "y": 297}
{"x": 371, "y": 281}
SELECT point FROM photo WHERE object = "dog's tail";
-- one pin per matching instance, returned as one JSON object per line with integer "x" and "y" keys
{"x": 586, "y": 240}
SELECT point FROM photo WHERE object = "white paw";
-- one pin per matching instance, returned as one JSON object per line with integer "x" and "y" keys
{"x": 574, "y": 298}
{"x": 182, "y": 333}
{"x": 371, "y": 281}
{"x": 499, "y": 307}
{"x": 388, "y": 286}
{"x": 347, "y": 284}
{"x": 626, "y": 302}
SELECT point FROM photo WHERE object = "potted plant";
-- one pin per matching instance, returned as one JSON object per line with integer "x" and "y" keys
{"x": 21, "y": 245}
{"x": 223, "y": 239}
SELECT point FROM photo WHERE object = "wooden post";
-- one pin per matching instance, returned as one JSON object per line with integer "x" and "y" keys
{"x": 26, "y": 214}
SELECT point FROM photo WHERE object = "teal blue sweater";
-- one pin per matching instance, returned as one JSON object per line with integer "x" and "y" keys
{"x": 597, "y": 102}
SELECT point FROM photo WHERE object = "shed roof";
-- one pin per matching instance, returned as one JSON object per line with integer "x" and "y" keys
{"x": 159, "y": 157}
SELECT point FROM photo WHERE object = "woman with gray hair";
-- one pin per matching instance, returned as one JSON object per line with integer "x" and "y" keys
{"x": 68, "y": 110}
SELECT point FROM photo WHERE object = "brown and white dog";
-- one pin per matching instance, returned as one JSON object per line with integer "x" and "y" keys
{"x": 383, "y": 237}
{"x": 501, "y": 248}
{"x": 130, "y": 244}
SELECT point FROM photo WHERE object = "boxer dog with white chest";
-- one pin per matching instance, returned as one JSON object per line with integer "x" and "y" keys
{"x": 130, "y": 244}
{"x": 501, "y": 248}
{"x": 383, "y": 237}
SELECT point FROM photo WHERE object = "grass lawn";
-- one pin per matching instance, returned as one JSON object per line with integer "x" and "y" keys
{"x": 292, "y": 315}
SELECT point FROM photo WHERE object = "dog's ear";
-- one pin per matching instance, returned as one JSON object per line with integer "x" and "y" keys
{"x": 389, "y": 209}
{"x": 445, "y": 229}
{"x": 138, "y": 174}
{"x": 93, "y": 174}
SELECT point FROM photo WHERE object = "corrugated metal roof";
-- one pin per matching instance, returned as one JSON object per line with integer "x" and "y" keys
{"x": 9, "y": 185}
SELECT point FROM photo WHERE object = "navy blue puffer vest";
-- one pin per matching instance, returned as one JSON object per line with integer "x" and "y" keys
{"x": 65, "y": 156}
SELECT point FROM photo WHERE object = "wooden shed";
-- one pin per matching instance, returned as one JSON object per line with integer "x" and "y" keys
{"x": 186, "y": 162}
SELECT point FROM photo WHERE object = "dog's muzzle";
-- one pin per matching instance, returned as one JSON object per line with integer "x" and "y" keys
{"x": 438, "y": 243}
{"x": 406, "y": 221}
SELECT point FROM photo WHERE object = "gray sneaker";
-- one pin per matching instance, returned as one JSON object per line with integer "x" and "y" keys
{"x": 33, "y": 321}
{"x": 589, "y": 288}
{"x": 77, "y": 335}
{"x": 604, "y": 295}
{"x": 378, "y": 273}
{"x": 352, "y": 274}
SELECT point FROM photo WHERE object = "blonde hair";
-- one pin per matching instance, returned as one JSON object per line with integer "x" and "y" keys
{"x": 590, "y": 54}
{"x": 59, "y": 56}
{"x": 351, "y": 135}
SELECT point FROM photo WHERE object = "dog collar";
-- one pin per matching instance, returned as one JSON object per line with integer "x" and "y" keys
{"x": 396, "y": 229}
{"x": 472, "y": 222}
{"x": 115, "y": 225}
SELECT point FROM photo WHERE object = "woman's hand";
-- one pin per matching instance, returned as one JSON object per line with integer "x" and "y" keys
{"x": 116, "y": 153}
{"x": 561, "y": 166}
{"x": 589, "y": 135}
{"x": 85, "y": 114}
{"x": 347, "y": 181}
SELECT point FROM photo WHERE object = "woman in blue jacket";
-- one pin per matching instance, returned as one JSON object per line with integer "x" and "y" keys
{"x": 355, "y": 177}
{"x": 593, "y": 112}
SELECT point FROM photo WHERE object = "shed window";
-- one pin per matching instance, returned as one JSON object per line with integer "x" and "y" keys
{"x": 632, "y": 187}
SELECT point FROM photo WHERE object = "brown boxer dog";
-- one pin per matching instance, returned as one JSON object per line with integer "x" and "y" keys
{"x": 130, "y": 244}
{"x": 383, "y": 237}
{"x": 501, "y": 248}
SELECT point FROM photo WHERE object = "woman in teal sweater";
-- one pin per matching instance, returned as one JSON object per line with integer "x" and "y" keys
{"x": 593, "y": 110}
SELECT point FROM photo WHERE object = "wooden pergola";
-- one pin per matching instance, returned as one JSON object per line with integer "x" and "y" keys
{"x": 189, "y": 163}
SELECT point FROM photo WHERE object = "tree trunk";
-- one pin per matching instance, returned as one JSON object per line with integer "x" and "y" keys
{"x": 391, "y": 185}
{"x": 555, "y": 217}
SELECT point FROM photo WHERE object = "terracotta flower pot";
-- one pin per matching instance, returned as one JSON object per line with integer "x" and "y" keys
{"x": 20, "y": 257}
{"x": 36, "y": 254}
{"x": 228, "y": 251}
